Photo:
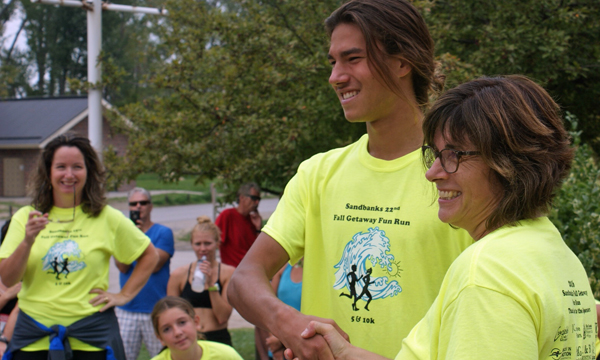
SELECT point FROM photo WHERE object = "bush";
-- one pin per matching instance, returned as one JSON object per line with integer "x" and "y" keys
{"x": 576, "y": 211}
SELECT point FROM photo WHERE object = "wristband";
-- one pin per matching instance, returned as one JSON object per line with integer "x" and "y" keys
{"x": 215, "y": 287}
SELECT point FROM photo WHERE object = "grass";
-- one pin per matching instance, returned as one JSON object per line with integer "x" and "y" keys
{"x": 243, "y": 343}
{"x": 180, "y": 199}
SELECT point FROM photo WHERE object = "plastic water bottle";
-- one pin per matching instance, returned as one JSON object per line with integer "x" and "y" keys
{"x": 198, "y": 279}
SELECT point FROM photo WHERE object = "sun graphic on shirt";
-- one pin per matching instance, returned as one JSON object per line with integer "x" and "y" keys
{"x": 394, "y": 269}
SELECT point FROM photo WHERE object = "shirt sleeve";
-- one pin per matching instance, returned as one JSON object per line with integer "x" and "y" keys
{"x": 221, "y": 223}
{"x": 16, "y": 232}
{"x": 165, "y": 241}
{"x": 129, "y": 241}
{"x": 287, "y": 224}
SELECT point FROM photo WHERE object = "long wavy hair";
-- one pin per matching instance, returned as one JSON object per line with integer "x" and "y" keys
{"x": 394, "y": 28}
{"x": 39, "y": 187}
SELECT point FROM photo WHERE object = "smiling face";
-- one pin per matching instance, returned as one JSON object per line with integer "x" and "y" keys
{"x": 177, "y": 330}
{"x": 204, "y": 244}
{"x": 363, "y": 97}
{"x": 469, "y": 196}
{"x": 67, "y": 171}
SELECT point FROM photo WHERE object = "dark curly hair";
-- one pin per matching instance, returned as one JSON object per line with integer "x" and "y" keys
{"x": 518, "y": 129}
{"x": 39, "y": 186}
{"x": 393, "y": 28}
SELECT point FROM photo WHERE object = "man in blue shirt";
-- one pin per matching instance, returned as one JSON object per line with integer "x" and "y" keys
{"x": 134, "y": 317}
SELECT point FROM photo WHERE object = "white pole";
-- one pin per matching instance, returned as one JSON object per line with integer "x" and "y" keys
{"x": 94, "y": 44}
{"x": 105, "y": 6}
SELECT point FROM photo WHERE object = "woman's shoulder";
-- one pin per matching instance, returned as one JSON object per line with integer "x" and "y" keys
{"x": 108, "y": 210}
{"x": 24, "y": 211}
{"x": 227, "y": 270}
{"x": 183, "y": 269}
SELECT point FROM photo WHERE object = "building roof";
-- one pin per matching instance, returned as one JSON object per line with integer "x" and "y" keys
{"x": 29, "y": 122}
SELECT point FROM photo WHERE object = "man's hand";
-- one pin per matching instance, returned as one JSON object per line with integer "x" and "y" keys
{"x": 340, "y": 348}
{"x": 338, "y": 345}
{"x": 310, "y": 347}
{"x": 256, "y": 220}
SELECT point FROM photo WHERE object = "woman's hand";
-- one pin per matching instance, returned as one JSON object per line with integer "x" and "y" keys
{"x": 108, "y": 299}
{"x": 206, "y": 268}
{"x": 12, "y": 291}
{"x": 35, "y": 223}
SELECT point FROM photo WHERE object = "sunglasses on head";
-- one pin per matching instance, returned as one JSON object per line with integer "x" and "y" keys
{"x": 143, "y": 203}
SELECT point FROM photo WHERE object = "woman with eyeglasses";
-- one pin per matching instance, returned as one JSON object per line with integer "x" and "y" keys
{"x": 204, "y": 282}
{"x": 497, "y": 151}
{"x": 60, "y": 247}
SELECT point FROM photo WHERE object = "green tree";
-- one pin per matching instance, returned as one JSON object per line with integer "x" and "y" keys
{"x": 245, "y": 96}
{"x": 576, "y": 211}
{"x": 57, "y": 40}
{"x": 555, "y": 42}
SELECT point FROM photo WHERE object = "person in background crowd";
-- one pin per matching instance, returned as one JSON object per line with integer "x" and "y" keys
{"x": 287, "y": 284}
{"x": 497, "y": 151}
{"x": 211, "y": 303}
{"x": 240, "y": 225}
{"x": 176, "y": 326}
{"x": 360, "y": 215}
{"x": 134, "y": 317}
{"x": 8, "y": 303}
{"x": 60, "y": 247}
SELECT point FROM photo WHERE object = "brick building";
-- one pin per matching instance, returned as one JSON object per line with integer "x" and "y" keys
{"x": 27, "y": 125}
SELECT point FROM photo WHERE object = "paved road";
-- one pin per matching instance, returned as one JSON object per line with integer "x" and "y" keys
{"x": 181, "y": 219}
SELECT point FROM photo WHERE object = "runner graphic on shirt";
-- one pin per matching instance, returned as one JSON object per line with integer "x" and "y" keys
{"x": 372, "y": 246}
{"x": 65, "y": 255}
{"x": 351, "y": 276}
{"x": 365, "y": 290}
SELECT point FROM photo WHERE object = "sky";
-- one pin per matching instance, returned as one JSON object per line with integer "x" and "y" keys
{"x": 11, "y": 28}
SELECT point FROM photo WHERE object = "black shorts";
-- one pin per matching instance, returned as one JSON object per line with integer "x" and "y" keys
{"x": 223, "y": 336}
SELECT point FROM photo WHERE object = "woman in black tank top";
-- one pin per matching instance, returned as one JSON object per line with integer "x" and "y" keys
{"x": 211, "y": 303}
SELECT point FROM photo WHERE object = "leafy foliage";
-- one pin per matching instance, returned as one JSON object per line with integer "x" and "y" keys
{"x": 555, "y": 42}
{"x": 57, "y": 40}
{"x": 576, "y": 210}
{"x": 249, "y": 98}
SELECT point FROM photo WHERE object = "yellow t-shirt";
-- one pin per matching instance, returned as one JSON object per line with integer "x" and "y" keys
{"x": 68, "y": 260}
{"x": 375, "y": 251}
{"x": 518, "y": 293}
{"x": 210, "y": 351}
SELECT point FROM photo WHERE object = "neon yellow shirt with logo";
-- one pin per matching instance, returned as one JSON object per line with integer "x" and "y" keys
{"x": 68, "y": 260}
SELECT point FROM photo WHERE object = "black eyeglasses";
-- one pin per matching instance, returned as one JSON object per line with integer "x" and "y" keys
{"x": 60, "y": 221}
{"x": 143, "y": 203}
{"x": 254, "y": 197}
{"x": 449, "y": 158}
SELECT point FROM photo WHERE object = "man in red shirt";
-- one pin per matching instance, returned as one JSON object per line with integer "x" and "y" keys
{"x": 240, "y": 225}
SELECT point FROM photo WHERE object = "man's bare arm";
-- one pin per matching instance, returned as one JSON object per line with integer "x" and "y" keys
{"x": 251, "y": 294}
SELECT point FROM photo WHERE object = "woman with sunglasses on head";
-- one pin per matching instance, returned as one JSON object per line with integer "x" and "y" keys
{"x": 60, "y": 247}
{"x": 497, "y": 151}
{"x": 204, "y": 282}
